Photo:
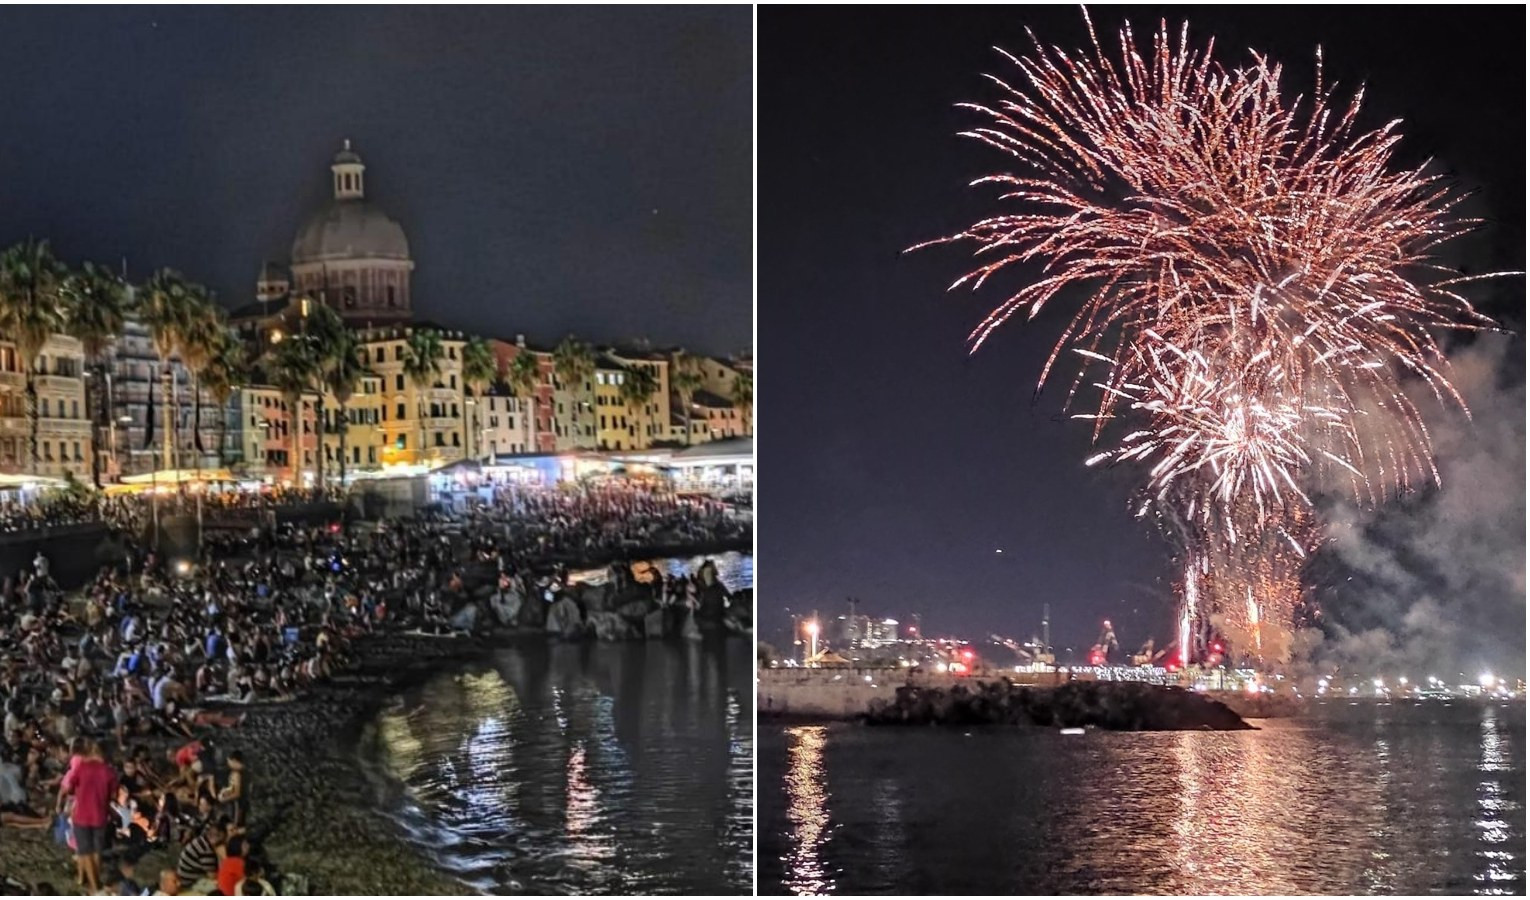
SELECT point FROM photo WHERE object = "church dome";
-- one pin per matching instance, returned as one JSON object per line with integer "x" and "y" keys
{"x": 349, "y": 228}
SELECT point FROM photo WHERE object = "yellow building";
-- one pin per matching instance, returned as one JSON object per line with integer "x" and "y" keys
{"x": 575, "y": 422}
{"x": 420, "y": 425}
{"x": 616, "y": 428}
{"x": 714, "y": 411}
{"x": 362, "y": 421}
{"x": 63, "y": 428}
{"x": 651, "y": 420}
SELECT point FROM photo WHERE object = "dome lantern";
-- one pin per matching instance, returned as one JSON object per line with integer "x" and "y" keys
{"x": 348, "y": 171}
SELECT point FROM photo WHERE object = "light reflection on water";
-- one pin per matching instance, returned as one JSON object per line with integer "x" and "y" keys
{"x": 808, "y": 811}
{"x": 616, "y": 768}
{"x": 1498, "y": 873}
{"x": 1353, "y": 800}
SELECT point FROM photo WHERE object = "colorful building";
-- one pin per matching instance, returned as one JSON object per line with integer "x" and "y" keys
{"x": 63, "y": 430}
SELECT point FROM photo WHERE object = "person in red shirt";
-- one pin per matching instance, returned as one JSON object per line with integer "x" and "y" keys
{"x": 93, "y": 783}
{"x": 231, "y": 867}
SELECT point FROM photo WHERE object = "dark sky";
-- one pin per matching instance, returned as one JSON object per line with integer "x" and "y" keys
{"x": 554, "y": 168}
{"x": 895, "y": 463}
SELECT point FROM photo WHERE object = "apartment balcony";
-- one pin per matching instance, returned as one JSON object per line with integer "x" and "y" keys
{"x": 440, "y": 423}
{"x": 59, "y": 383}
{"x": 62, "y": 427}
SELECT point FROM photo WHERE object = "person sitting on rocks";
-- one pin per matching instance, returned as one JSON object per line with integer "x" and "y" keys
{"x": 169, "y": 884}
{"x": 199, "y": 859}
{"x": 254, "y": 883}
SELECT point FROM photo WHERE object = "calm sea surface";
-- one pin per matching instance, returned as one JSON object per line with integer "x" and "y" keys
{"x": 582, "y": 768}
{"x": 1361, "y": 799}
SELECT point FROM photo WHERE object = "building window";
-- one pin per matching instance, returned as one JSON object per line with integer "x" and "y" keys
{"x": 45, "y": 408}
{"x": 400, "y": 414}
{"x": 398, "y": 382}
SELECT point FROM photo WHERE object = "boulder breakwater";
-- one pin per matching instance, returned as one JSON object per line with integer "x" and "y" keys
{"x": 891, "y": 697}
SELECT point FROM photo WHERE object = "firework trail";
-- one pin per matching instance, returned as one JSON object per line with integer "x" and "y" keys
{"x": 1253, "y": 280}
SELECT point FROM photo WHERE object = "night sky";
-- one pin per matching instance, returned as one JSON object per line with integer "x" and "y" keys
{"x": 895, "y": 465}
{"x": 554, "y": 169}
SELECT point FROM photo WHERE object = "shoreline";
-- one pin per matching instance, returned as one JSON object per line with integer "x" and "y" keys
{"x": 314, "y": 808}
{"x": 312, "y": 804}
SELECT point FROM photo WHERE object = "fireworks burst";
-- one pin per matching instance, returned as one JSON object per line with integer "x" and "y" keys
{"x": 1256, "y": 283}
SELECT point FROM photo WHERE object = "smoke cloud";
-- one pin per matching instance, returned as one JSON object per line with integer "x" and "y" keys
{"x": 1434, "y": 583}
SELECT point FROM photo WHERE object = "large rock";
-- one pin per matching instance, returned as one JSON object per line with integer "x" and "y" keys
{"x": 609, "y": 626}
{"x": 634, "y": 610}
{"x": 564, "y": 619}
{"x": 533, "y": 612}
{"x": 506, "y": 606}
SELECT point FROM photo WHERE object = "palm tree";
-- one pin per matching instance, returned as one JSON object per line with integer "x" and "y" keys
{"x": 743, "y": 397}
{"x": 97, "y": 304}
{"x": 329, "y": 341}
{"x": 525, "y": 374}
{"x": 294, "y": 367}
{"x": 342, "y": 371}
{"x": 226, "y": 369}
{"x": 205, "y": 329}
{"x": 638, "y": 387}
{"x": 685, "y": 381}
{"x": 479, "y": 369}
{"x": 31, "y": 310}
{"x": 167, "y": 306}
{"x": 574, "y": 363}
{"x": 422, "y": 366}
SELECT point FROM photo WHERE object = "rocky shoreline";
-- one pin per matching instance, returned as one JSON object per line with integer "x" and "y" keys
{"x": 313, "y": 807}
{"x": 312, "y": 804}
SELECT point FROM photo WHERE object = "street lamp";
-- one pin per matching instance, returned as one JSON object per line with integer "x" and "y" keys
{"x": 812, "y": 633}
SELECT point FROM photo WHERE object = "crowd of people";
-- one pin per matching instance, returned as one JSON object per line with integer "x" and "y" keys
{"x": 122, "y": 700}
{"x": 604, "y": 520}
{"x": 17, "y": 514}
